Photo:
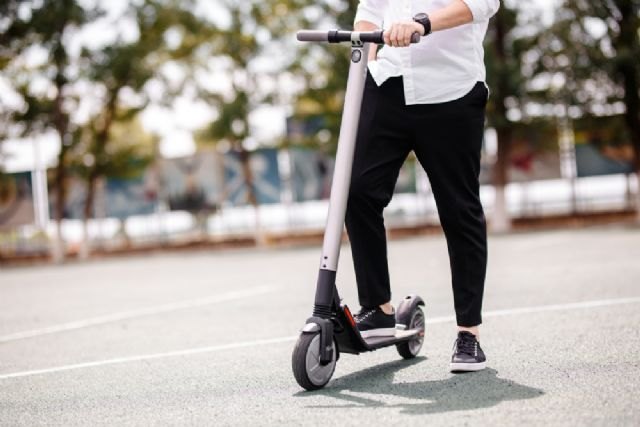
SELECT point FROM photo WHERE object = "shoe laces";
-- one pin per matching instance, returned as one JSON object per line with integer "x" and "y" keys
{"x": 466, "y": 344}
{"x": 364, "y": 313}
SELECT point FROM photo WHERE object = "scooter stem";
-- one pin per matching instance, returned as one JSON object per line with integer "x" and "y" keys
{"x": 344, "y": 157}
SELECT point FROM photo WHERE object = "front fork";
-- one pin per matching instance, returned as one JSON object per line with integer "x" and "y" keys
{"x": 327, "y": 303}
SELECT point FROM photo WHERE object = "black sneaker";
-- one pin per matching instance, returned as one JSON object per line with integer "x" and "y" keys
{"x": 467, "y": 354}
{"x": 373, "y": 322}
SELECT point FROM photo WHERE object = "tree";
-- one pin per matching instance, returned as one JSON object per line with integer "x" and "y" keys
{"x": 505, "y": 46}
{"x": 127, "y": 66}
{"x": 253, "y": 52}
{"x": 325, "y": 68}
{"x": 125, "y": 154}
{"x": 45, "y": 26}
{"x": 117, "y": 74}
{"x": 598, "y": 43}
{"x": 238, "y": 47}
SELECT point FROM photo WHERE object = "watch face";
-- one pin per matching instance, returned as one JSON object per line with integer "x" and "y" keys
{"x": 420, "y": 16}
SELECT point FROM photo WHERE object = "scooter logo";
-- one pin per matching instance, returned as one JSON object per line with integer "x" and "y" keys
{"x": 356, "y": 55}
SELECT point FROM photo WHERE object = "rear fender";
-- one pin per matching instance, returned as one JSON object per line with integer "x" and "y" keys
{"x": 406, "y": 308}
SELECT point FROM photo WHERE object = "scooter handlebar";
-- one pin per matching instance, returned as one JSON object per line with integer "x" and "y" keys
{"x": 338, "y": 36}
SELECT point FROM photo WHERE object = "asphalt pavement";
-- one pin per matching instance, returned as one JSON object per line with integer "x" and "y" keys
{"x": 205, "y": 338}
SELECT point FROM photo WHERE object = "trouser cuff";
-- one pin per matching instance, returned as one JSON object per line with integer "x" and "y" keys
{"x": 469, "y": 321}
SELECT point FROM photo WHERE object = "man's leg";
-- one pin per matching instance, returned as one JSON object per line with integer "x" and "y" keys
{"x": 448, "y": 147}
{"x": 381, "y": 148}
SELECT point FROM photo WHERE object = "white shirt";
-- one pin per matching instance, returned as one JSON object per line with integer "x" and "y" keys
{"x": 445, "y": 65}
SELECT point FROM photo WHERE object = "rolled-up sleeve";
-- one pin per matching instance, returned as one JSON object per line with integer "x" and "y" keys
{"x": 482, "y": 10}
{"x": 371, "y": 11}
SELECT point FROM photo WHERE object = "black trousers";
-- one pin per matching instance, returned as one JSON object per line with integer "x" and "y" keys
{"x": 447, "y": 139}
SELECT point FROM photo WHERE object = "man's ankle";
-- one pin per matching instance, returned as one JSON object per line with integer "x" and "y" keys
{"x": 473, "y": 329}
{"x": 387, "y": 308}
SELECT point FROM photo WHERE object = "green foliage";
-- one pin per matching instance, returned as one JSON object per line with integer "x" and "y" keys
{"x": 42, "y": 22}
{"x": 254, "y": 27}
{"x": 505, "y": 48}
{"x": 129, "y": 151}
{"x": 325, "y": 68}
{"x": 238, "y": 46}
{"x": 117, "y": 75}
{"x": 43, "y": 25}
{"x": 595, "y": 46}
{"x": 588, "y": 47}
{"x": 606, "y": 131}
{"x": 131, "y": 65}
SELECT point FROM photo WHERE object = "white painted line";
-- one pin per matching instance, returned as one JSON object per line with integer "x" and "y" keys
{"x": 542, "y": 309}
{"x": 131, "y": 314}
{"x": 561, "y": 307}
{"x": 199, "y": 350}
{"x": 187, "y": 352}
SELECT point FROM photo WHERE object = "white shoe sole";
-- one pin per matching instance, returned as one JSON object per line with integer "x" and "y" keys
{"x": 382, "y": 332}
{"x": 467, "y": 367}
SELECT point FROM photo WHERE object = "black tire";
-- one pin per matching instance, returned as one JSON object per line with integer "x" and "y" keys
{"x": 410, "y": 349}
{"x": 307, "y": 350}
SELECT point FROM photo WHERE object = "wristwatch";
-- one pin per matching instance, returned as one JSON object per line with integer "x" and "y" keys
{"x": 423, "y": 18}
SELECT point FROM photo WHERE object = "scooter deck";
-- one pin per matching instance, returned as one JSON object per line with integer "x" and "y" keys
{"x": 375, "y": 343}
{"x": 350, "y": 341}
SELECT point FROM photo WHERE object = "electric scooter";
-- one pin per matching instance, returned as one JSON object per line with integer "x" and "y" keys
{"x": 332, "y": 329}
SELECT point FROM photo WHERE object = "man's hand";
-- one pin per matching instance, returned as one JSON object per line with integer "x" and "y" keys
{"x": 399, "y": 34}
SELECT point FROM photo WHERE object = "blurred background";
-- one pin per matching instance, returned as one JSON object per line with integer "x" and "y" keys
{"x": 137, "y": 125}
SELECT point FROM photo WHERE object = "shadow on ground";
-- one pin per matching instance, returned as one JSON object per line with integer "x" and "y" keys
{"x": 374, "y": 388}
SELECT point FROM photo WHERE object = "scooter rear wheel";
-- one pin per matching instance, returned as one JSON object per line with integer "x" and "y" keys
{"x": 305, "y": 361}
{"x": 410, "y": 349}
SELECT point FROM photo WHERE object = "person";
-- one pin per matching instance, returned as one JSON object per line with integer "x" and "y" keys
{"x": 428, "y": 98}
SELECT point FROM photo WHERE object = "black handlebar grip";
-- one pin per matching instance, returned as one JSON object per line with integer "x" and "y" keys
{"x": 415, "y": 38}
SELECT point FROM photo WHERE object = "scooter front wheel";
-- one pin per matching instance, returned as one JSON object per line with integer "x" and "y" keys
{"x": 305, "y": 361}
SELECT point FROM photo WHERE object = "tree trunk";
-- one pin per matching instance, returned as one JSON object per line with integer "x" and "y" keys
{"x": 85, "y": 248}
{"x": 500, "y": 218}
{"x": 632, "y": 110}
{"x": 626, "y": 46}
{"x": 58, "y": 250}
{"x": 636, "y": 198}
{"x": 248, "y": 176}
{"x": 245, "y": 158}
{"x": 635, "y": 140}
{"x": 97, "y": 170}
{"x": 632, "y": 120}
{"x": 61, "y": 124}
